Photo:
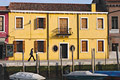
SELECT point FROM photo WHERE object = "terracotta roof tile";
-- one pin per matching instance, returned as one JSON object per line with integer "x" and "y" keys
{"x": 4, "y": 8}
{"x": 49, "y": 6}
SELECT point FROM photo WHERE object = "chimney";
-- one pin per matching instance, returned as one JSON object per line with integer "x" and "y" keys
{"x": 93, "y": 7}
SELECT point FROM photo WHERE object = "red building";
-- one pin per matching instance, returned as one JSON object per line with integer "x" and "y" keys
{"x": 3, "y": 30}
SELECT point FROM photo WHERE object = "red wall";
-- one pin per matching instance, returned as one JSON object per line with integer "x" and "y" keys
{"x": 5, "y": 34}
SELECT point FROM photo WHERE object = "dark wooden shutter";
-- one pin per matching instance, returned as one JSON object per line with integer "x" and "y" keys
{"x": 100, "y": 45}
{"x": 35, "y": 46}
{"x": 19, "y": 22}
{"x": 84, "y": 22}
{"x": 15, "y": 46}
{"x": 84, "y": 46}
{"x": 24, "y": 46}
{"x": 1, "y": 23}
{"x": 100, "y": 23}
{"x": 63, "y": 25}
{"x": 44, "y": 23}
{"x": 37, "y": 23}
{"x": 44, "y": 46}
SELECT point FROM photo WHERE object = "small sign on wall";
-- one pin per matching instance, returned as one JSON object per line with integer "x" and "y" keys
{"x": 9, "y": 50}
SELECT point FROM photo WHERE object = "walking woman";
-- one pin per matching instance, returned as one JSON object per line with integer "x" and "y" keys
{"x": 31, "y": 55}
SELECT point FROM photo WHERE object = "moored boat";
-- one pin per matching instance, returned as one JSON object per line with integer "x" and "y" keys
{"x": 84, "y": 75}
{"x": 26, "y": 76}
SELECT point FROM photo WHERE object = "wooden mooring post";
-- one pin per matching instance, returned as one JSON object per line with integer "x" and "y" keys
{"x": 23, "y": 62}
{"x": 61, "y": 61}
{"x": 93, "y": 59}
{"x": 117, "y": 55}
{"x": 37, "y": 66}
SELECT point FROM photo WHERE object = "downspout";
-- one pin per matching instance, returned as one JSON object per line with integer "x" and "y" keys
{"x": 78, "y": 36}
{"x": 48, "y": 44}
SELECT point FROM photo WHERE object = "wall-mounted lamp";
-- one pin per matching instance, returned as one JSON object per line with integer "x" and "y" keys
{"x": 29, "y": 21}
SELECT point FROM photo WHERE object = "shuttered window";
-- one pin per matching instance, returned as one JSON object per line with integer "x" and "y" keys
{"x": 19, "y": 22}
{"x": 63, "y": 25}
{"x": 1, "y": 23}
{"x": 100, "y": 46}
{"x": 84, "y": 23}
{"x": 100, "y": 23}
{"x": 84, "y": 46}
{"x": 114, "y": 46}
{"x": 41, "y": 23}
{"x": 40, "y": 46}
{"x": 114, "y": 22}
{"x": 19, "y": 46}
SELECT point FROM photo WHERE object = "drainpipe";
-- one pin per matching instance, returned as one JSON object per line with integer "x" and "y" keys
{"x": 78, "y": 36}
{"x": 48, "y": 44}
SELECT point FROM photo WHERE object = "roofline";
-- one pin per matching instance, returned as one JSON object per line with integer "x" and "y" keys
{"x": 72, "y": 12}
{"x": 4, "y": 10}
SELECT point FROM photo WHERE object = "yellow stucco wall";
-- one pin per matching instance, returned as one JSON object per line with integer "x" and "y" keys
{"x": 29, "y": 35}
{"x": 92, "y": 34}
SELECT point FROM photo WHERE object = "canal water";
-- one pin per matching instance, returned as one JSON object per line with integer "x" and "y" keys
{"x": 55, "y": 71}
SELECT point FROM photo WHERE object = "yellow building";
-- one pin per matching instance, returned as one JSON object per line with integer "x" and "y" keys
{"x": 52, "y": 29}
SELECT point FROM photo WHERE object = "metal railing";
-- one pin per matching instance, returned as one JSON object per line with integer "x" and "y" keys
{"x": 64, "y": 31}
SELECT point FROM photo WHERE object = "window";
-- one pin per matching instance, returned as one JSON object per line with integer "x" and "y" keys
{"x": 114, "y": 46}
{"x": 41, "y": 22}
{"x": 1, "y": 23}
{"x": 63, "y": 25}
{"x": 100, "y": 46}
{"x": 84, "y": 46}
{"x": 19, "y": 46}
{"x": 114, "y": 22}
{"x": 19, "y": 22}
{"x": 84, "y": 23}
{"x": 100, "y": 24}
{"x": 40, "y": 46}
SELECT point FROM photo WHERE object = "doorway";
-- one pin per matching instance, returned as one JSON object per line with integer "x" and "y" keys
{"x": 64, "y": 50}
{"x": 1, "y": 51}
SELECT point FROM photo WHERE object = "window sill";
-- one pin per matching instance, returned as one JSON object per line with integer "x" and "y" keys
{"x": 100, "y": 29}
{"x": 84, "y": 52}
{"x": 40, "y": 52}
{"x": 100, "y": 51}
{"x": 2, "y": 31}
{"x": 84, "y": 28}
{"x": 114, "y": 31}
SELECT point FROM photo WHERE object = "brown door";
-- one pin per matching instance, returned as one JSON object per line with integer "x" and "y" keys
{"x": 63, "y": 25}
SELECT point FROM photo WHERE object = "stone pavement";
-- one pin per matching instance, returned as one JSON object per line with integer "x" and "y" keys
{"x": 57, "y": 62}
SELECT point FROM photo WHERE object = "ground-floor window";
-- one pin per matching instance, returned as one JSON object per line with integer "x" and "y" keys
{"x": 114, "y": 46}
{"x": 84, "y": 45}
{"x": 40, "y": 46}
{"x": 100, "y": 45}
{"x": 19, "y": 46}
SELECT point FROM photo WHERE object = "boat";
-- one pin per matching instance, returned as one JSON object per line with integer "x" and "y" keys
{"x": 85, "y": 75}
{"x": 113, "y": 75}
{"x": 26, "y": 76}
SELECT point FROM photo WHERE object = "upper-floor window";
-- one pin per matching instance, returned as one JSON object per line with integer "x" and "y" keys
{"x": 19, "y": 46}
{"x": 19, "y": 23}
{"x": 100, "y": 46}
{"x": 100, "y": 23}
{"x": 41, "y": 22}
{"x": 40, "y": 46}
{"x": 84, "y": 45}
{"x": 63, "y": 25}
{"x": 1, "y": 23}
{"x": 114, "y": 46}
{"x": 84, "y": 23}
{"x": 114, "y": 22}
